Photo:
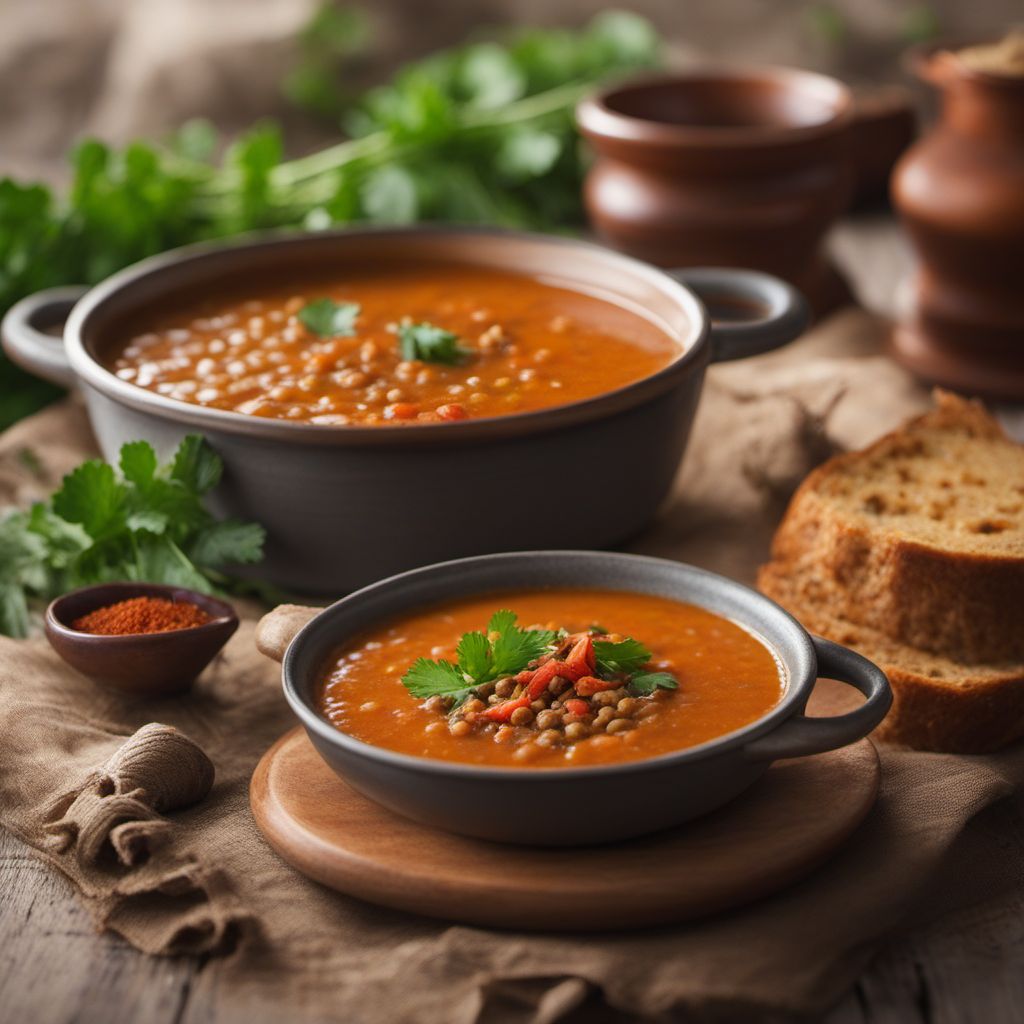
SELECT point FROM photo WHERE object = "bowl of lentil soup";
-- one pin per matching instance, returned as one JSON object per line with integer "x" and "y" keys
{"x": 559, "y": 698}
{"x": 144, "y": 639}
{"x": 358, "y": 384}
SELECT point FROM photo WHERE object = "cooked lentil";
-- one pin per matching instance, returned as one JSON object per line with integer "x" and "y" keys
{"x": 727, "y": 678}
{"x": 531, "y": 345}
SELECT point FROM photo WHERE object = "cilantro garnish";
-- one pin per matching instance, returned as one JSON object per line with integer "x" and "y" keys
{"x": 624, "y": 657}
{"x": 330, "y": 319}
{"x": 643, "y": 684}
{"x": 430, "y": 344}
{"x": 503, "y": 650}
{"x": 146, "y": 524}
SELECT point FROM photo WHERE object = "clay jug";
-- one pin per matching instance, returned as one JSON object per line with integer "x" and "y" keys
{"x": 960, "y": 193}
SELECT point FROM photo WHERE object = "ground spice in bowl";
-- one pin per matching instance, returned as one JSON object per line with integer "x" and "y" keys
{"x": 141, "y": 615}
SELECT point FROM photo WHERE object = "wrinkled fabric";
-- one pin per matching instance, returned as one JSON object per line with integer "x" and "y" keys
{"x": 946, "y": 836}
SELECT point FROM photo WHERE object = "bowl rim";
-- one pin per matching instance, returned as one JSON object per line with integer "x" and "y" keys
{"x": 694, "y": 351}
{"x": 127, "y": 589}
{"x": 598, "y": 120}
{"x": 799, "y": 681}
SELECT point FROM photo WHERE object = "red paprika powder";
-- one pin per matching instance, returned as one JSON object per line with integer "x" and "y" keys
{"x": 141, "y": 615}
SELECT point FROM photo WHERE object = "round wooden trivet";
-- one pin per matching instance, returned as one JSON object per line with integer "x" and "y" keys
{"x": 785, "y": 825}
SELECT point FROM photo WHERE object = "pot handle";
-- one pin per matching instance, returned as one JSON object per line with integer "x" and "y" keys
{"x": 801, "y": 735}
{"x": 26, "y": 339}
{"x": 276, "y": 630}
{"x": 750, "y": 312}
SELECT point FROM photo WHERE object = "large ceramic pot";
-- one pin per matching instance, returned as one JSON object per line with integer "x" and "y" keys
{"x": 733, "y": 168}
{"x": 960, "y": 194}
{"x": 345, "y": 505}
{"x": 560, "y": 806}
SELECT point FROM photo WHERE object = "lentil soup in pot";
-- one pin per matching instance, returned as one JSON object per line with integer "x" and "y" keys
{"x": 551, "y": 679}
{"x": 399, "y": 345}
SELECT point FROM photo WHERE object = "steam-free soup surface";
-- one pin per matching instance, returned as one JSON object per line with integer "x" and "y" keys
{"x": 727, "y": 678}
{"x": 511, "y": 344}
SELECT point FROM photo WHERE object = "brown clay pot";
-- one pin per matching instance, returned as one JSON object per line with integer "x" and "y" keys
{"x": 960, "y": 194}
{"x": 724, "y": 168}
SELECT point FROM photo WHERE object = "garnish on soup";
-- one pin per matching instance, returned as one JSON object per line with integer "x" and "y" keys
{"x": 430, "y": 344}
{"x": 391, "y": 346}
{"x": 555, "y": 686}
{"x": 557, "y": 693}
{"x": 330, "y": 319}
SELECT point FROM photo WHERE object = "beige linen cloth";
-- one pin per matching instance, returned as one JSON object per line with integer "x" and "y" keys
{"x": 947, "y": 834}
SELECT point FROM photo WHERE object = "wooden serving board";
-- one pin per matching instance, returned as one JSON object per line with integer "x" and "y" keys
{"x": 783, "y": 827}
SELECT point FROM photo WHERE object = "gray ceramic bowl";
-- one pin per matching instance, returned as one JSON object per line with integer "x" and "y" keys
{"x": 346, "y": 505}
{"x": 566, "y": 806}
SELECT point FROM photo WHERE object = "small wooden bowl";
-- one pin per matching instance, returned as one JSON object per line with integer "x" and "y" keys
{"x": 141, "y": 664}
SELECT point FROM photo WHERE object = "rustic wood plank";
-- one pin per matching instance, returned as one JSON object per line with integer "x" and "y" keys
{"x": 55, "y": 968}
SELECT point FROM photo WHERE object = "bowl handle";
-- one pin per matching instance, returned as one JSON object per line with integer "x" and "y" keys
{"x": 801, "y": 735}
{"x": 750, "y": 312}
{"x": 276, "y": 630}
{"x": 28, "y": 343}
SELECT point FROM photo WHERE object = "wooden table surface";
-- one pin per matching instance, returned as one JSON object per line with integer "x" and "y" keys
{"x": 54, "y": 968}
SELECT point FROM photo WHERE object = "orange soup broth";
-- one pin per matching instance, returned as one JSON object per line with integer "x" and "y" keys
{"x": 531, "y": 345}
{"x": 727, "y": 677}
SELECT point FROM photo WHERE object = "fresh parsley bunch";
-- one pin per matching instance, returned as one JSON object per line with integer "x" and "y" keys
{"x": 482, "y": 133}
{"x": 147, "y": 523}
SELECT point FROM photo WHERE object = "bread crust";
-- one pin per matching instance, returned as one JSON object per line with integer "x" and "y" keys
{"x": 979, "y": 711}
{"x": 966, "y": 606}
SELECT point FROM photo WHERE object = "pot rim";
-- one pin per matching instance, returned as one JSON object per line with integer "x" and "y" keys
{"x": 598, "y": 120}
{"x": 694, "y": 351}
{"x": 799, "y": 669}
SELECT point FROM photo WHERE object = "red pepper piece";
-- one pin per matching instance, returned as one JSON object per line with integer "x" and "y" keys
{"x": 581, "y": 660}
{"x": 576, "y": 707}
{"x": 503, "y": 712}
{"x": 589, "y": 685}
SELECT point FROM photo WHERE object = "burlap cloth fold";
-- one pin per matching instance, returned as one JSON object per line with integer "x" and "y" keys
{"x": 946, "y": 836}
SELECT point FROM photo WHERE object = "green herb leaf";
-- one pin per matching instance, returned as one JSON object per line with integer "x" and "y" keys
{"x": 149, "y": 526}
{"x": 626, "y": 656}
{"x": 138, "y": 463}
{"x": 643, "y": 684}
{"x": 427, "y": 678}
{"x": 227, "y": 542}
{"x": 196, "y": 466}
{"x": 330, "y": 319}
{"x": 514, "y": 648}
{"x": 429, "y": 343}
{"x": 91, "y": 495}
{"x": 503, "y": 651}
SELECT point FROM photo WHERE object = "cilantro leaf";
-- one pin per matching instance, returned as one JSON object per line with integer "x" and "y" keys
{"x": 147, "y": 519}
{"x": 643, "y": 684}
{"x": 91, "y": 495}
{"x": 626, "y": 656}
{"x": 427, "y": 678}
{"x": 138, "y": 463}
{"x": 514, "y": 648}
{"x": 482, "y": 657}
{"x": 475, "y": 658}
{"x": 430, "y": 344}
{"x": 330, "y": 319}
{"x": 226, "y": 542}
{"x": 13, "y": 610}
{"x": 196, "y": 466}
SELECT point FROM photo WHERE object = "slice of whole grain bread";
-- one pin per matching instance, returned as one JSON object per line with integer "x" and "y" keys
{"x": 939, "y": 704}
{"x": 919, "y": 538}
